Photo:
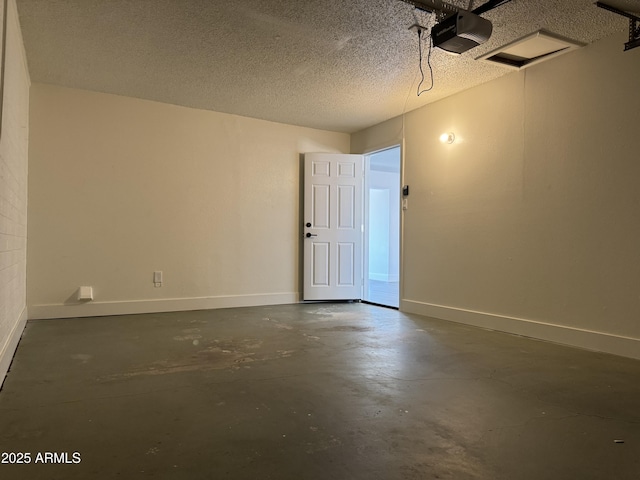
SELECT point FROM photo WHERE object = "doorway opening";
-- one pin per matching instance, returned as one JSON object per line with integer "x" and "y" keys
{"x": 382, "y": 228}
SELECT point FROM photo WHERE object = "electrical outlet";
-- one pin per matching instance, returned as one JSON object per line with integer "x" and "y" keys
{"x": 157, "y": 279}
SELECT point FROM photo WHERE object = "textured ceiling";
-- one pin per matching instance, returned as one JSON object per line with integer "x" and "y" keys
{"x": 338, "y": 65}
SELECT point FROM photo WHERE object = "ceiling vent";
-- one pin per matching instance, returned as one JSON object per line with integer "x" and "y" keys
{"x": 532, "y": 49}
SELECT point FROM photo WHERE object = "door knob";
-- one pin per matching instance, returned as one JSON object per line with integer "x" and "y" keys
{"x": 309, "y": 235}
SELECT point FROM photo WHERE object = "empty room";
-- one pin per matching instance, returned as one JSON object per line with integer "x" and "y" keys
{"x": 286, "y": 239}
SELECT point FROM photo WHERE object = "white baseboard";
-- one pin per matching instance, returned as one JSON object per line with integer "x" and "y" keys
{"x": 575, "y": 337}
{"x": 9, "y": 348}
{"x": 101, "y": 309}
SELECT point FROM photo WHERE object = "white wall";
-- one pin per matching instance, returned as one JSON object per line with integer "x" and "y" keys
{"x": 379, "y": 228}
{"x": 13, "y": 193}
{"x": 530, "y": 222}
{"x": 121, "y": 187}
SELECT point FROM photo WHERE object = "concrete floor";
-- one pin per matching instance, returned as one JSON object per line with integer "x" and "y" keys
{"x": 321, "y": 391}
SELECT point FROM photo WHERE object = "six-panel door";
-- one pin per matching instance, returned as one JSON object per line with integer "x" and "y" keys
{"x": 333, "y": 227}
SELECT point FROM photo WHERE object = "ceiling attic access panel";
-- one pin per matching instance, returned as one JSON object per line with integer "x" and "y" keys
{"x": 531, "y": 49}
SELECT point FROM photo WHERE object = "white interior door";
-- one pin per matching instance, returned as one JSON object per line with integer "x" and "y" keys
{"x": 333, "y": 227}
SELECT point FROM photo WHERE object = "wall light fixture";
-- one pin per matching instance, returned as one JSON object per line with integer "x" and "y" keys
{"x": 448, "y": 137}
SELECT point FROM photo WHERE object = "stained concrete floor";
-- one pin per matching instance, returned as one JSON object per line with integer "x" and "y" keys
{"x": 320, "y": 391}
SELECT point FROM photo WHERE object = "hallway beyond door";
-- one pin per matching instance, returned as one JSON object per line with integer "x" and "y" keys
{"x": 382, "y": 228}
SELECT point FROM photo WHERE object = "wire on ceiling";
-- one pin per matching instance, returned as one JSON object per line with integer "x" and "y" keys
{"x": 430, "y": 43}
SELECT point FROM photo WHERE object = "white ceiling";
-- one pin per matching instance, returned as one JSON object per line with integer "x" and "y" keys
{"x": 339, "y": 65}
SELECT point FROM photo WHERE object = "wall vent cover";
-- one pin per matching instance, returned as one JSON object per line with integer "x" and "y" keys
{"x": 534, "y": 48}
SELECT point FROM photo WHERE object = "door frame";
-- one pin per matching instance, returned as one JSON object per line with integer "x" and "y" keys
{"x": 365, "y": 218}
